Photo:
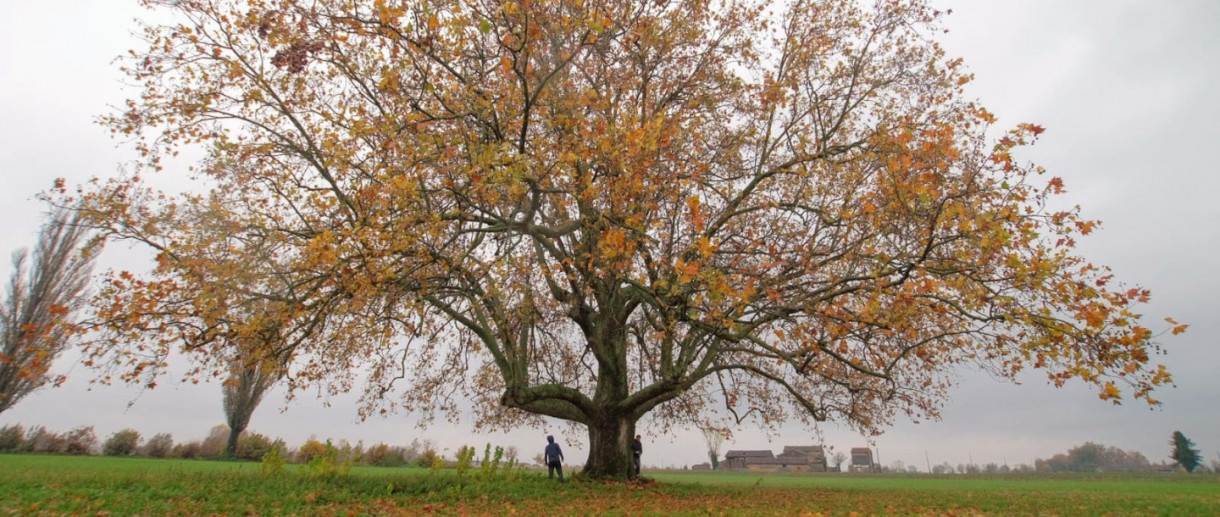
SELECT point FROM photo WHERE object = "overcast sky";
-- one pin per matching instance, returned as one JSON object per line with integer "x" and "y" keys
{"x": 1125, "y": 89}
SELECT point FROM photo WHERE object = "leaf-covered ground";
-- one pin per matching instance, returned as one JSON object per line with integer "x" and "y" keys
{"x": 45, "y": 485}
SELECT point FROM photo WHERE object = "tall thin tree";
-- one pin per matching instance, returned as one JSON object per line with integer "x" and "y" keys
{"x": 714, "y": 438}
{"x": 36, "y": 316}
{"x": 252, "y": 376}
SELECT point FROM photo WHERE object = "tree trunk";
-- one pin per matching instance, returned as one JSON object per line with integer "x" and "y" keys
{"x": 610, "y": 448}
{"x": 231, "y": 448}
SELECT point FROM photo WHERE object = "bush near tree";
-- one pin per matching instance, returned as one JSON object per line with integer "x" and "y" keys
{"x": 214, "y": 445}
{"x": 186, "y": 451}
{"x": 122, "y": 443}
{"x": 428, "y": 458}
{"x": 161, "y": 445}
{"x": 383, "y": 455}
{"x": 80, "y": 441}
{"x": 252, "y": 446}
{"x": 312, "y": 448}
{"x": 12, "y": 438}
{"x": 39, "y": 439}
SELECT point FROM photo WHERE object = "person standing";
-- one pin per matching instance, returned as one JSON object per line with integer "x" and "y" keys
{"x": 637, "y": 449}
{"x": 554, "y": 458}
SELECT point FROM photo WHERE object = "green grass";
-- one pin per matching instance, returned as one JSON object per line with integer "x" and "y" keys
{"x": 60, "y": 485}
{"x": 1178, "y": 483}
{"x": 1055, "y": 494}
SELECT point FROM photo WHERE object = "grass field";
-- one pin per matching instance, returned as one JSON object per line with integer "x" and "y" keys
{"x": 60, "y": 485}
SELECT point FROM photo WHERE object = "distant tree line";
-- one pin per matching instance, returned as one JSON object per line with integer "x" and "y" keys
{"x": 251, "y": 446}
{"x": 1093, "y": 457}
{"x": 1087, "y": 457}
{"x": 967, "y": 468}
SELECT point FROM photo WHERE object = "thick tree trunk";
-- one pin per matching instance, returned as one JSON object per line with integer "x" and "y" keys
{"x": 610, "y": 448}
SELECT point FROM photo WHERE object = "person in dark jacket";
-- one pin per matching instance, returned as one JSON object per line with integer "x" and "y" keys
{"x": 637, "y": 449}
{"x": 554, "y": 458}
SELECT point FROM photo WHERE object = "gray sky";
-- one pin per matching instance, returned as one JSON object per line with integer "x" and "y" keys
{"x": 1125, "y": 90}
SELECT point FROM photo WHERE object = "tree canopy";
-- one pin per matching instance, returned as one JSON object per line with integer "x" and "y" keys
{"x": 589, "y": 209}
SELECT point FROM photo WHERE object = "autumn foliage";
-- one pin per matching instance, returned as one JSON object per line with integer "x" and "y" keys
{"x": 38, "y": 312}
{"x": 592, "y": 209}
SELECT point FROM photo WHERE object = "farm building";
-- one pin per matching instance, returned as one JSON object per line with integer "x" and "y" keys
{"x": 741, "y": 460}
{"x": 814, "y": 455}
{"x": 810, "y": 458}
{"x": 862, "y": 460}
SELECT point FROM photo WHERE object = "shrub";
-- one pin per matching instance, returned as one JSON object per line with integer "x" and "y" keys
{"x": 122, "y": 443}
{"x": 332, "y": 462}
{"x": 377, "y": 455}
{"x": 311, "y": 449}
{"x": 12, "y": 438}
{"x": 465, "y": 456}
{"x": 252, "y": 446}
{"x": 491, "y": 464}
{"x": 382, "y": 455}
{"x": 44, "y": 441}
{"x": 412, "y": 452}
{"x": 213, "y": 447}
{"x": 187, "y": 451}
{"x": 273, "y": 460}
{"x": 159, "y": 446}
{"x": 32, "y": 439}
{"x": 427, "y": 458}
{"x": 348, "y": 454}
{"x": 80, "y": 441}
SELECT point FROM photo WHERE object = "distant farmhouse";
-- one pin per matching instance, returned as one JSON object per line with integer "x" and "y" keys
{"x": 802, "y": 458}
{"x": 862, "y": 460}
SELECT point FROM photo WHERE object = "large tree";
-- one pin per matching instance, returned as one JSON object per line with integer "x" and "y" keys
{"x": 587, "y": 210}
{"x": 36, "y": 316}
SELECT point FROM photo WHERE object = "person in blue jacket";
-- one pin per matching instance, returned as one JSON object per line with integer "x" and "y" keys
{"x": 554, "y": 458}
